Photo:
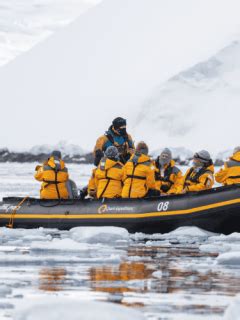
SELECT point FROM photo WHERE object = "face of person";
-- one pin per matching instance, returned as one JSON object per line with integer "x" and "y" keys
{"x": 122, "y": 130}
{"x": 164, "y": 159}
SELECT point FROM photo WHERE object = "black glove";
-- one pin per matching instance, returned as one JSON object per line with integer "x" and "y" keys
{"x": 165, "y": 188}
{"x": 153, "y": 193}
{"x": 98, "y": 156}
{"x": 83, "y": 193}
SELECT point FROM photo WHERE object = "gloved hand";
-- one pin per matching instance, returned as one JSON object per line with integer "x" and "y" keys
{"x": 153, "y": 193}
{"x": 164, "y": 188}
{"x": 98, "y": 156}
{"x": 92, "y": 193}
{"x": 83, "y": 193}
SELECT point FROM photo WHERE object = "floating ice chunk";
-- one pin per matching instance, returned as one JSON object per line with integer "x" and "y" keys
{"x": 229, "y": 258}
{"x": 215, "y": 248}
{"x": 59, "y": 244}
{"x": 55, "y": 308}
{"x": 4, "y": 290}
{"x": 233, "y": 311}
{"x": 189, "y": 232}
{"x": 107, "y": 235}
{"x": 233, "y": 237}
{"x": 157, "y": 274}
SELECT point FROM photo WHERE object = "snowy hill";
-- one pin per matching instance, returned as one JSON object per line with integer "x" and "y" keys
{"x": 24, "y": 23}
{"x": 105, "y": 64}
{"x": 198, "y": 108}
{"x": 66, "y": 149}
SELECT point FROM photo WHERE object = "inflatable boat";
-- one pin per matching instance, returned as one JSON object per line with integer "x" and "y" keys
{"x": 216, "y": 210}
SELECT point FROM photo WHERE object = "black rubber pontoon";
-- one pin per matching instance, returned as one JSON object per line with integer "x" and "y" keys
{"x": 216, "y": 210}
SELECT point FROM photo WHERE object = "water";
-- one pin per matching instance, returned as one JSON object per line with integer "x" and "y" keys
{"x": 174, "y": 276}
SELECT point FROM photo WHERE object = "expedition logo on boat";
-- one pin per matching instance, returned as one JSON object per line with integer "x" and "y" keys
{"x": 8, "y": 208}
{"x": 106, "y": 209}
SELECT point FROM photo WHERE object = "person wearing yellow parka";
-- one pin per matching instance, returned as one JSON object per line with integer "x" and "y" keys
{"x": 139, "y": 174}
{"x": 54, "y": 177}
{"x": 201, "y": 176}
{"x": 169, "y": 178}
{"x": 231, "y": 172}
{"x": 115, "y": 136}
{"x": 109, "y": 175}
{"x": 92, "y": 189}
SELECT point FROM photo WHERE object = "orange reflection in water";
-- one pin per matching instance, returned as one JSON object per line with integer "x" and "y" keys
{"x": 52, "y": 279}
{"x": 100, "y": 276}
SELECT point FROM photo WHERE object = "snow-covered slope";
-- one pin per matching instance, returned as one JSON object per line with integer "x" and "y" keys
{"x": 198, "y": 108}
{"x": 24, "y": 23}
{"x": 63, "y": 146}
{"x": 104, "y": 64}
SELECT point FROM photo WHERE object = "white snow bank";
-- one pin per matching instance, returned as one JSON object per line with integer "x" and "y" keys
{"x": 229, "y": 258}
{"x": 63, "y": 146}
{"x": 55, "y": 308}
{"x": 106, "y": 235}
{"x": 233, "y": 311}
{"x": 108, "y": 61}
{"x": 173, "y": 109}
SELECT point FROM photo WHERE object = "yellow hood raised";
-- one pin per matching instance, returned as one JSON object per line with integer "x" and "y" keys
{"x": 236, "y": 156}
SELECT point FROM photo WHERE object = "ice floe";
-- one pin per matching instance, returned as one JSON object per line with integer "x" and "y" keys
{"x": 53, "y": 308}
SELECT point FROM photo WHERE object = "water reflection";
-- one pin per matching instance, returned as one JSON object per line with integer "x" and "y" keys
{"x": 52, "y": 279}
{"x": 115, "y": 279}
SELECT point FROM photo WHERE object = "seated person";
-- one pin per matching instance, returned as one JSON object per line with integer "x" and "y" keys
{"x": 55, "y": 178}
{"x": 139, "y": 174}
{"x": 109, "y": 175}
{"x": 91, "y": 189}
{"x": 201, "y": 175}
{"x": 231, "y": 172}
{"x": 169, "y": 178}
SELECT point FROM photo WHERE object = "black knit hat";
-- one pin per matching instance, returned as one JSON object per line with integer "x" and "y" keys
{"x": 56, "y": 154}
{"x": 119, "y": 122}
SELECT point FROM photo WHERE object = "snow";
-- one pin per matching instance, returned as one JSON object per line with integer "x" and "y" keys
{"x": 24, "y": 23}
{"x": 229, "y": 258}
{"x": 103, "y": 65}
{"x": 177, "y": 109}
{"x": 63, "y": 146}
{"x": 233, "y": 311}
{"x": 72, "y": 309}
{"x": 106, "y": 235}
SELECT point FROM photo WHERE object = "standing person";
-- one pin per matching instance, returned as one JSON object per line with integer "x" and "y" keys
{"x": 169, "y": 178}
{"x": 115, "y": 136}
{"x": 231, "y": 172}
{"x": 201, "y": 175}
{"x": 54, "y": 177}
{"x": 139, "y": 174}
{"x": 109, "y": 175}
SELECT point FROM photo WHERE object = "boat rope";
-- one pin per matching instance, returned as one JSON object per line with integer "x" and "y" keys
{"x": 11, "y": 220}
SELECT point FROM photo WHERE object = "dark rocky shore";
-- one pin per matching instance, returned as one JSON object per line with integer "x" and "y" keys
{"x": 21, "y": 157}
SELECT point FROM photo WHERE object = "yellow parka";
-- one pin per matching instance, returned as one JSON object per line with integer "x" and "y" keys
{"x": 231, "y": 172}
{"x": 54, "y": 177}
{"x": 139, "y": 176}
{"x": 108, "y": 179}
{"x": 169, "y": 181}
{"x": 198, "y": 180}
{"x": 92, "y": 189}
